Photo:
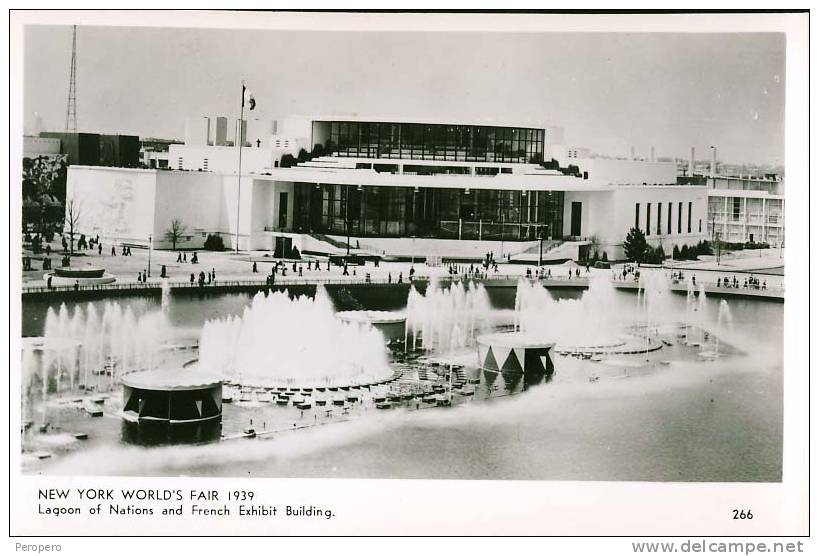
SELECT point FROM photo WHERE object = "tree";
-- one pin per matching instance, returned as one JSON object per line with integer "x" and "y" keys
{"x": 288, "y": 161}
{"x": 303, "y": 156}
{"x": 175, "y": 231}
{"x": 72, "y": 221}
{"x": 44, "y": 180}
{"x": 659, "y": 253}
{"x": 605, "y": 258}
{"x": 675, "y": 253}
{"x": 635, "y": 245}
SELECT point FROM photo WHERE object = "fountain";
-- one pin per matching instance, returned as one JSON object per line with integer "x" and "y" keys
{"x": 79, "y": 275}
{"x": 391, "y": 324}
{"x": 446, "y": 318}
{"x": 577, "y": 325}
{"x": 282, "y": 341}
{"x": 88, "y": 351}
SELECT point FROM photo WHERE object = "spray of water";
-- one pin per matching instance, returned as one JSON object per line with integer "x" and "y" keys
{"x": 447, "y": 319}
{"x": 284, "y": 341}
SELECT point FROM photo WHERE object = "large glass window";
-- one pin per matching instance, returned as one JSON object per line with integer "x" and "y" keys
{"x": 437, "y": 142}
{"x": 428, "y": 212}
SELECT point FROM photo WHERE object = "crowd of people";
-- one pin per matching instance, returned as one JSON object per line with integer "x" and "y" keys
{"x": 750, "y": 282}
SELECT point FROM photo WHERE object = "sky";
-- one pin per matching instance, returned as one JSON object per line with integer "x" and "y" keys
{"x": 608, "y": 91}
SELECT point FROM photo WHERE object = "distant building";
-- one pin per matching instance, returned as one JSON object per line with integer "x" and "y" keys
{"x": 94, "y": 149}
{"x": 744, "y": 209}
{"x": 154, "y": 152}
{"x": 40, "y": 146}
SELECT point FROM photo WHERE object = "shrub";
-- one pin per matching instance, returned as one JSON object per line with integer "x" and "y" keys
{"x": 635, "y": 246}
{"x": 214, "y": 242}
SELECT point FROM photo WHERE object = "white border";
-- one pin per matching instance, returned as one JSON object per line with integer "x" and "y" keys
{"x": 490, "y": 507}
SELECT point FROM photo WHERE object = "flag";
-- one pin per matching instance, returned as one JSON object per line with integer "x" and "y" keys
{"x": 247, "y": 98}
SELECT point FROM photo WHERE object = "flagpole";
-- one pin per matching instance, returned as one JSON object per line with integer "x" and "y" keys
{"x": 240, "y": 140}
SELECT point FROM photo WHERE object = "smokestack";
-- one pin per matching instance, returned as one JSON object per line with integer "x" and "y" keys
{"x": 652, "y": 153}
{"x": 691, "y": 163}
{"x": 713, "y": 161}
{"x": 632, "y": 152}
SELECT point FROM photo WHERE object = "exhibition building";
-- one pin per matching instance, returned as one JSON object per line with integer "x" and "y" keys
{"x": 390, "y": 186}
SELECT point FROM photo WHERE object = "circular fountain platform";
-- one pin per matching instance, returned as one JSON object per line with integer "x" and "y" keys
{"x": 82, "y": 275}
{"x": 391, "y": 324}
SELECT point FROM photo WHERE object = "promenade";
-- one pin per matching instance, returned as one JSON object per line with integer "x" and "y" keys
{"x": 234, "y": 272}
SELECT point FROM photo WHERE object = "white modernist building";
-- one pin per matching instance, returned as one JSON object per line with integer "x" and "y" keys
{"x": 394, "y": 186}
{"x": 746, "y": 209}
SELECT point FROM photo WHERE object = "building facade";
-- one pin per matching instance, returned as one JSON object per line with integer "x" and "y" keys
{"x": 746, "y": 209}
{"x": 389, "y": 184}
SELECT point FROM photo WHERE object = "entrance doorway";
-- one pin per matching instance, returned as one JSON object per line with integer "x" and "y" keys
{"x": 577, "y": 216}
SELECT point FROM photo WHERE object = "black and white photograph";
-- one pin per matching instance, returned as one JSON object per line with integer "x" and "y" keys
{"x": 443, "y": 248}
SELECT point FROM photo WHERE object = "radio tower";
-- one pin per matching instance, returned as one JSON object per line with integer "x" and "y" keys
{"x": 71, "y": 108}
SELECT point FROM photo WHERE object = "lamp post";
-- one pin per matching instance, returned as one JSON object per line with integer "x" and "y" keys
{"x": 347, "y": 220}
{"x": 150, "y": 248}
{"x": 719, "y": 246}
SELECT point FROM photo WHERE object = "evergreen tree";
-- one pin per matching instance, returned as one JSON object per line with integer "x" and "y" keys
{"x": 635, "y": 245}
{"x": 659, "y": 254}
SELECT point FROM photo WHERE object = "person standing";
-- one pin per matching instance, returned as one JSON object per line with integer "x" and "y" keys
{"x": 113, "y": 251}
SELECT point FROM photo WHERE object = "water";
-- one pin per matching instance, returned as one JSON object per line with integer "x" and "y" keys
{"x": 91, "y": 346}
{"x": 707, "y": 420}
{"x": 283, "y": 341}
{"x": 589, "y": 320}
{"x": 447, "y": 318}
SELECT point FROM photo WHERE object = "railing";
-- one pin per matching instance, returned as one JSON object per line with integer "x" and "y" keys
{"x": 279, "y": 281}
{"x": 574, "y": 281}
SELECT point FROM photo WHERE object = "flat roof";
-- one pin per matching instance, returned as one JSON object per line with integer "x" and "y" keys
{"x": 171, "y": 380}
{"x": 514, "y": 340}
{"x": 393, "y": 119}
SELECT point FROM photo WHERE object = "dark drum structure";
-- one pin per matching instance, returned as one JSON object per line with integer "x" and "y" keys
{"x": 172, "y": 396}
{"x": 171, "y": 406}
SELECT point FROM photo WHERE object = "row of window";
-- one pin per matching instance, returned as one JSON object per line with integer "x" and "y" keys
{"x": 663, "y": 216}
{"x": 431, "y": 212}
{"x": 436, "y": 142}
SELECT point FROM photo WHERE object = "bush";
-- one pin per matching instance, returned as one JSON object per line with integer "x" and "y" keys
{"x": 288, "y": 161}
{"x": 635, "y": 246}
{"x": 605, "y": 258}
{"x": 654, "y": 255}
{"x": 214, "y": 242}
